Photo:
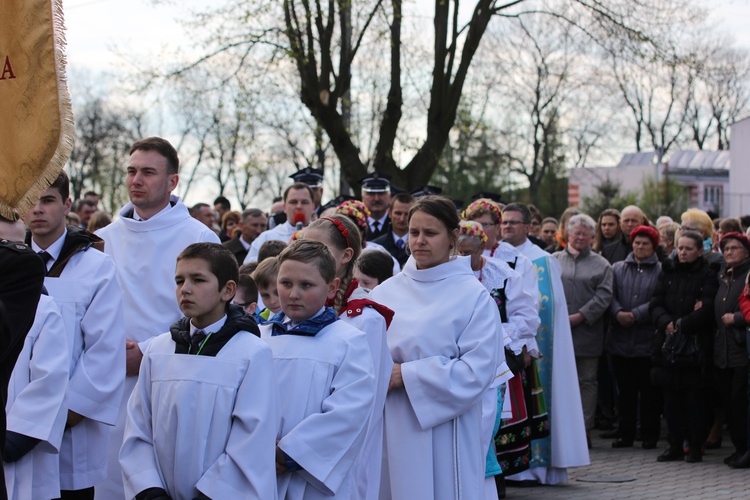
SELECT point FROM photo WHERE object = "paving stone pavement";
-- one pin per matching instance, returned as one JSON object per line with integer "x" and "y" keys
{"x": 646, "y": 478}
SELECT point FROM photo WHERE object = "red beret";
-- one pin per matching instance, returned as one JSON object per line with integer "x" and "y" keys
{"x": 647, "y": 231}
{"x": 735, "y": 236}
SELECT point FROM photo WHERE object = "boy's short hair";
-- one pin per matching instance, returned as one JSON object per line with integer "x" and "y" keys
{"x": 161, "y": 146}
{"x": 309, "y": 251}
{"x": 377, "y": 264}
{"x": 270, "y": 248}
{"x": 249, "y": 289}
{"x": 249, "y": 268}
{"x": 221, "y": 261}
{"x": 266, "y": 272}
{"x": 62, "y": 184}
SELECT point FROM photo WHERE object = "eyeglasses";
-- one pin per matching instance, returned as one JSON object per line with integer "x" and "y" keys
{"x": 511, "y": 222}
{"x": 487, "y": 225}
{"x": 732, "y": 248}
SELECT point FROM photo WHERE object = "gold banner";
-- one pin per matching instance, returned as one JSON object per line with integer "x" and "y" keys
{"x": 36, "y": 121}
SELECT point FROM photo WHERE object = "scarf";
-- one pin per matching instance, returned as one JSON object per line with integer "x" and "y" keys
{"x": 308, "y": 328}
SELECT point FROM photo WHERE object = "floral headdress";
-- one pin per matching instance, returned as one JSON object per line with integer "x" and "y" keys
{"x": 474, "y": 230}
{"x": 355, "y": 209}
{"x": 482, "y": 205}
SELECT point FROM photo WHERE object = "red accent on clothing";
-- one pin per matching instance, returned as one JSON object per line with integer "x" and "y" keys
{"x": 745, "y": 304}
{"x": 356, "y": 306}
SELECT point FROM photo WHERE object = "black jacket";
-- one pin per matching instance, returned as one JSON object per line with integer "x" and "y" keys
{"x": 678, "y": 289}
{"x": 235, "y": 246}
{"x": 730, "y": 342}
{"x": 387, "y": 242}
{"x": 384, "y": 229}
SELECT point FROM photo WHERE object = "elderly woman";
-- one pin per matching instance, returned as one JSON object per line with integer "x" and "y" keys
{"x": 730, "y": 349}
{"x": 587, "y": 280}
{"x": 682, "y": 306}
{"x": 630, "y": 338}
{"x": 667, "y": 232}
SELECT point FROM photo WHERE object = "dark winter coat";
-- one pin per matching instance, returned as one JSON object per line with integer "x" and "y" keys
{"x": 729, "y": 343}
{"x": 634, "y": 285}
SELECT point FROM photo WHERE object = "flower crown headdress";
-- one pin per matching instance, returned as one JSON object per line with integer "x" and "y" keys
{"x": 482, "y": 205}
{"x": 474, "y": 230}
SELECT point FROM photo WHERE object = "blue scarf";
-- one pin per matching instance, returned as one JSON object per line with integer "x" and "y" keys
{"x": 308, "y": 328}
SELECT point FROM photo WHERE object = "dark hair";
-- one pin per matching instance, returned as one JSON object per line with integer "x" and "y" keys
{"x": 223, "y": 202}
{"x": 745, "y": 220}
{"x": 252, "y": 212}
{"x": 353, "y": 240}
{"x": 270, "y": 248}
{"x": 730, "y": 225}
{"x": 297, "y": 186}
{"x": 311, "y": 252}
{"x": 520, "y": 208}
{"x": 249, "y": 268}
{"x": 402, "y": 198}
{"x": 377, "y": 264}
{"x": 90, "y": 193}
{"x": 161, "y": 146}
{"x": 62, "y": 184}
{"x": 83, "y": 201}
{"x": 249, "y": 289}
{"x": 221, "y": 261}
{"x": 439, "y": 207}
{"x": 196, "y": 208}
{"x": 598, "y": 236}
{"x": 697, "y": 238}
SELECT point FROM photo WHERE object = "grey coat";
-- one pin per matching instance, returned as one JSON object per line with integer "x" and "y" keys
{"x": 587, "y": 281}
{"x": 634, "y": 285}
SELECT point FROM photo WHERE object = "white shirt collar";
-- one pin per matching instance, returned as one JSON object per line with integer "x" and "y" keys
{"x": 403, "y": 238}
{"x": 244, "y": 243}
{"x": 381, "y": 221}
{"x": 212, "y": 328}
{"x": 137, "y": 217}
{"x": 54, "y": 249}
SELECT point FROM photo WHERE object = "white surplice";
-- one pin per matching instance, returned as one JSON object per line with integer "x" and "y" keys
{"x": 372, "y": 323}
{"x": 282, "y": 232}
{"x": 444, "y": 334}
{"x": 145, "y": 255}
{"x": 36, "y": 405}
{"x": 327, "y": 387}
{"x": 203, "y": 423}
{"x": 90, "y": 300}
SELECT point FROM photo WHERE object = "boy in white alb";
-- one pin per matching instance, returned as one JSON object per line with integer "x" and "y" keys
{"x": 144, "y": 242}
{"x": 82, "y": 281}
{"x": 324, "y": 370}
{"x": 36, "y": 407}
{"x": 202, "y": 417}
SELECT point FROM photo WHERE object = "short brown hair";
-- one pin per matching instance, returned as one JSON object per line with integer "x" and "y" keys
{"x": 266, "y": 272}
{"x": 62, "y": 184}
{"x": 311, "y": 252}
{"x": 161, "y": 146}
{"x": 221, "y": 261}
{"x": 297, "y": 186}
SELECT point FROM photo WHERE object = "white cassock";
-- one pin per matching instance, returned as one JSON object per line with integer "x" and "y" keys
{"x": 444, "y": 334}
{"x": 36, "y": 405}
{"x": 203, "y": 423}
{"x": 282, "y": 232}
{"x": 327, "y": 387}
{"x": 566, "y": 445}
{"x": 90, "y": 300}
{"x": 145, "y": 254}
{"x": 372, "y": 323}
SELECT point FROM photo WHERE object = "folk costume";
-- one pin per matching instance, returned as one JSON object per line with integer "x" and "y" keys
{"x": 203, "y": 419}
{"x": 444, "y": 334}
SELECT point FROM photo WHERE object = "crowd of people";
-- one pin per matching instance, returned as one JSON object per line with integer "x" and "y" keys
{"x": 387, "y": 346}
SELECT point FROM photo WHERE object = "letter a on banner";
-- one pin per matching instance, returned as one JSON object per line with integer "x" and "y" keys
{"x": 36, "y": 129}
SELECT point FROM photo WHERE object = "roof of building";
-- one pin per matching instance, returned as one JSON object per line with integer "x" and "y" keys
{"x": 699, "y": 161}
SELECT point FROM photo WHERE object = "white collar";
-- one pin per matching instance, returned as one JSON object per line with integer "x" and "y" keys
{"x": 212, "y": 328}
{"x": 137, "y": 216}
{"x": 54, "y": 249}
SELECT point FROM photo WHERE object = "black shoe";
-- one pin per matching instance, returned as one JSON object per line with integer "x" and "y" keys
{"x": 648, "y": 445}
{"x": 621, "y": 443}
{"x": 500, "y": 484}
{"x": 671, "y": 455}
{"x": 731, "y": 458}
{"x": 693, "y": 458}
{"x": 743, "y": 462}
{"x": 610, "y": 435}
{"x": 525, "y": 483}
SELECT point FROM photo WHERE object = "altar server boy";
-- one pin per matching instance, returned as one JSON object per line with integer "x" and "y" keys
{"x": 202, "y": 417}
{"x": 324, "y": 371}
{"x": 36, "y": 408}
